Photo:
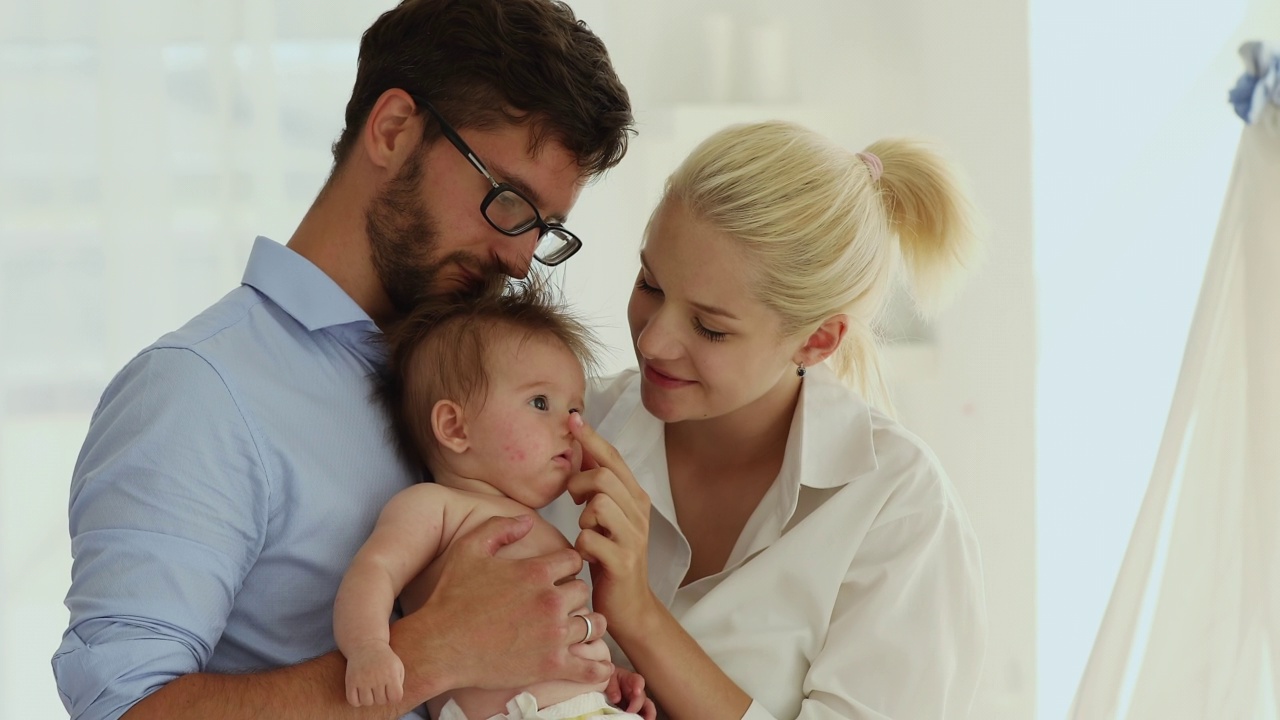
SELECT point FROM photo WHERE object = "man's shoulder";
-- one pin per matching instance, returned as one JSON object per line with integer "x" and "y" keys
{"x": 229, "y": 316}
{"x": 194, "y": 357}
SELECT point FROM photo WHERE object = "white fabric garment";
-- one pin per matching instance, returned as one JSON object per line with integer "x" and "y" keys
{"x": 1193, "y": 626}
{"x": 855, "y": 589}
{"x": 587, "y": 706}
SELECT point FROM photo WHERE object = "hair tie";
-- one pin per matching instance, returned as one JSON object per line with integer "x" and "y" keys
{"x": 873, "y": 164}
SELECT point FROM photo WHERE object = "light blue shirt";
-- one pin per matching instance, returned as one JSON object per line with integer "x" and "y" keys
{"x": 230, "y": 473}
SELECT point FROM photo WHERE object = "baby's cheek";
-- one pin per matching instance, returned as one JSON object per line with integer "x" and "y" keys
{"x": 515, "y": 442}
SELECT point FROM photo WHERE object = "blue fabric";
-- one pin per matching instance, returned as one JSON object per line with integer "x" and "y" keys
{"x": 1260, "y": 83}
{"x": 230, "y": 473}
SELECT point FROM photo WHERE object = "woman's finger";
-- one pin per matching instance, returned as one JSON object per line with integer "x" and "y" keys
{"x": 607, "y": 489}
{"x": 599, "y": 550}
{"x": 604, "y": 516}
{"x": 585, "y": 486}
{"x": 601, "y": 453}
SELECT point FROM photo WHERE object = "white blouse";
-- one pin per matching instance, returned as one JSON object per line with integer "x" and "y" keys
{"x": 855, "y": 589}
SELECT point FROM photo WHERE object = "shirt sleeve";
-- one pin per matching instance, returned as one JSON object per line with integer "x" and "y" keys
{"x": 168, "y": 512}
{"x": 908, "y": 630}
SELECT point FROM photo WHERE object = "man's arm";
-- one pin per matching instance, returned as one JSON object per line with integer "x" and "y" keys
{"x": 169, "y": 508}
{"x": 312, "y": 690}
{"x": 491, "y": 623}
{"x": 168, "y": 511}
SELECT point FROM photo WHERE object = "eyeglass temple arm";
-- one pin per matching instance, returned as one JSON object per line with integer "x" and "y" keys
{"x": 456, "y": 139}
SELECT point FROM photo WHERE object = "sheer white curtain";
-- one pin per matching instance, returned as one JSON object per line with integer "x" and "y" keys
{"x": 1193, "y": 626}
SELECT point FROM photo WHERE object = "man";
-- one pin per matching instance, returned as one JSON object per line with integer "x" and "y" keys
{"x": 233, "y": 468}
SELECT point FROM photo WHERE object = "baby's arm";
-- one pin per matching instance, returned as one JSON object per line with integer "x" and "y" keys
{"x": 414, "y": 527}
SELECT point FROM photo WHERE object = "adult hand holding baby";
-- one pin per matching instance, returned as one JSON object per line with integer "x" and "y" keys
{"x": 513, "y": 617}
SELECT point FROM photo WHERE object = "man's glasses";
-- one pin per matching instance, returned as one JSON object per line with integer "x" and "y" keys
{"x": 507, "y": 209}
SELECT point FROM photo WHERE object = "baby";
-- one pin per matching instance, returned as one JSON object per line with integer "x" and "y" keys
{"x": 480, "y": 388}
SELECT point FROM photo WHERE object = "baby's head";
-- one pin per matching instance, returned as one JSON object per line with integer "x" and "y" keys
{"x": 480, "y": 385}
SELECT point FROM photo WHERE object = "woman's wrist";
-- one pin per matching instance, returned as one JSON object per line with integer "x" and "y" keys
{"x": 644, "y": 621}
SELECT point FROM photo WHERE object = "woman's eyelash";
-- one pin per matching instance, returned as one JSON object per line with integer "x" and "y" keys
{"x": 711, "y": 335}
{"x": 698, "y": 327}
{"x": 645, "y": 287}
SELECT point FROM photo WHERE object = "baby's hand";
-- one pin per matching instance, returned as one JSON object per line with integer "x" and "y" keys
{"x": 626, "y": 690}
{"x": 375, "y": 675}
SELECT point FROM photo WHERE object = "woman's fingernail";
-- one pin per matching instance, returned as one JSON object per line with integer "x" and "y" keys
{"x": 575, "y": 420}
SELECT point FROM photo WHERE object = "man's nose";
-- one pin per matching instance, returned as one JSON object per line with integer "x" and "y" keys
{"x": 516, "y": 253}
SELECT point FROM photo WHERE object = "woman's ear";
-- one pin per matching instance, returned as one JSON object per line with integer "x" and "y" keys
{"x": 823, "y": 341}
{"x": 449, "y": 424}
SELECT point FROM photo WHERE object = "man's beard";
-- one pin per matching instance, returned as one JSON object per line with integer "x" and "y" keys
{"x": 404, "y": 241}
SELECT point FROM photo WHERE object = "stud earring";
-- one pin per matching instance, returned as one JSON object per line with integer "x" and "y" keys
{"x": 800, "y": 369}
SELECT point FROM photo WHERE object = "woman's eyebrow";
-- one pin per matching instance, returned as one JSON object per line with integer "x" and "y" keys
{"x": 708, "y": 309}
{"x": 713, "y": 310}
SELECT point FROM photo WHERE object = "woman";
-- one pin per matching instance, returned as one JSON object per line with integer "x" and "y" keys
{"x": 763, "y": 542}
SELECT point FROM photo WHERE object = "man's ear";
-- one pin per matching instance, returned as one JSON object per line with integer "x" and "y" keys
{"x": 449, "y": 424}
{"x": 823, "y": 341}
{"x": 392, "y": 131}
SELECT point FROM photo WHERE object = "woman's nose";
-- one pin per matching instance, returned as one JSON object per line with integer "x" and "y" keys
{"x": 657, "y": 339}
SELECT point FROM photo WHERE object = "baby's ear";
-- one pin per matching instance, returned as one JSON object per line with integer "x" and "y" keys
{"x": 449, "y": 423}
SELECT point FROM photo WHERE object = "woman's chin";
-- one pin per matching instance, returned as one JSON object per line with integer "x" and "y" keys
{"x": 660, "y": 404}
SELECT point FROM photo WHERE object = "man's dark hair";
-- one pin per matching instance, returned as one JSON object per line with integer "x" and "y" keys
{"x": 483, "y": 63}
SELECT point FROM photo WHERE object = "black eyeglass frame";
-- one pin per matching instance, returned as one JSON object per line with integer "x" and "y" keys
{"x": 574, "y": 243}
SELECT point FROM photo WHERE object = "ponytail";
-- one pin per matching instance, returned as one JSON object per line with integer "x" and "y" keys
{"x": 931, "y": 216}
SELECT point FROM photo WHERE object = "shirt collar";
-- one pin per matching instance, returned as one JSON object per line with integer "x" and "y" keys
{"x": 830, "y": 443}
{"x": 301, "y": 289}
{"x": 832, "y": 430}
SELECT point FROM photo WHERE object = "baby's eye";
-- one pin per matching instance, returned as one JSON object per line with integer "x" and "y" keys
{"x": 540, "y": 403}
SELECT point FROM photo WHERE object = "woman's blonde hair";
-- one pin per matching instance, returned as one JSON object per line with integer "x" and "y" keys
{"x": 824, "y": 235}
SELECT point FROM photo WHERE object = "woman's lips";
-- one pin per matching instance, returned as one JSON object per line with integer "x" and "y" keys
{"x": 663, "y": 380}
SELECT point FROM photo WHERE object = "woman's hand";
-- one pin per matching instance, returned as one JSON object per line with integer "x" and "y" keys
{"x": 615, "y": 530}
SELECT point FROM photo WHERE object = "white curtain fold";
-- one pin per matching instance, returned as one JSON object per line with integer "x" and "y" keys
{"x": 1193, "y": 626}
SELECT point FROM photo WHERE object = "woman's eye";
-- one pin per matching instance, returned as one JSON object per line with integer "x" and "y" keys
{"x": 708, "y": 333}
{"x": 540, "y": 403}
{"x": 645, "y": 287}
